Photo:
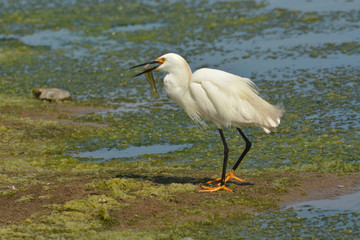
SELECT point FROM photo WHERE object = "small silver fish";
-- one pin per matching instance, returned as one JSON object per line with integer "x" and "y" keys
{"x": 150, "y": 78}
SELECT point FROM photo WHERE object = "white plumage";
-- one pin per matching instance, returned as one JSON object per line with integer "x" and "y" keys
{"x": 223, "y": 98}
{"x": 220, "y": 97}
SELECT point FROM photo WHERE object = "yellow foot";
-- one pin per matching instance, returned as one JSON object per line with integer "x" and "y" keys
{"x": 214, "y": 189}
{"x": 228, "y": 176}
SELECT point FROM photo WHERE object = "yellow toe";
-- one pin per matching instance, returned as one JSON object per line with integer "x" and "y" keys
{"x": 228, "y": 176}
{"x": 214, "y": 189}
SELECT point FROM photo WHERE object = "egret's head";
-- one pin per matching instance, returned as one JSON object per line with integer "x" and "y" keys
{"x": 169, "y": 62}
{"x": 161, "y": 61}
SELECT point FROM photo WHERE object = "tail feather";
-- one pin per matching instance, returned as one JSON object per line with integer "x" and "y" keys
{"x": 273, "y": 119}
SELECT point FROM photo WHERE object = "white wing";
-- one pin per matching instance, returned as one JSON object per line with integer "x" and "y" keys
{"x": 230, "y": 100}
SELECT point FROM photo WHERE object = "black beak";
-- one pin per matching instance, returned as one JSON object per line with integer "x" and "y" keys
{"x": 147, "y": 70}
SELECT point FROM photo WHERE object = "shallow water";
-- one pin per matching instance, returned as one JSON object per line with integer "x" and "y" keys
{"x": 345, "y": 203}
{"x": 132, "y": 152}
{"x": 316, "y": 5}
{"x": 329, "y": 218}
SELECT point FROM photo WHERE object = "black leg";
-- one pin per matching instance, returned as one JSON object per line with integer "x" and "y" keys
{"x": 226, "y": 154}
{"x": 247, "y": 148}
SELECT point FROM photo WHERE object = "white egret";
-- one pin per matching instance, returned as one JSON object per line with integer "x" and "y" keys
{"x": 222, "y": 98}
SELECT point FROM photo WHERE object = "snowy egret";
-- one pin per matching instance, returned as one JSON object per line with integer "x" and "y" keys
{"x": 222, "y": 98}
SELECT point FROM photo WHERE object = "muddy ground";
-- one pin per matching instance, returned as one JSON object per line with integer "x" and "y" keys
{"x": 149, "y": 211}
{"x": 304, "y": 187}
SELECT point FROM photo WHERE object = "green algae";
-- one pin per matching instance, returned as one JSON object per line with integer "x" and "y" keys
{"x": 26, "y": 198}
{"x": 127, "y": 189}
{"x": 84, "y": 217}
{"x": 78, "y": 218}
{"x": 281, "y": 185}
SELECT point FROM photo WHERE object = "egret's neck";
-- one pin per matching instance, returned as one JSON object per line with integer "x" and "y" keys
{"x": 177, "y": 82}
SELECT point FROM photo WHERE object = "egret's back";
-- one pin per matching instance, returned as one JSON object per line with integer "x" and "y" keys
{"x": 230, "y": 100}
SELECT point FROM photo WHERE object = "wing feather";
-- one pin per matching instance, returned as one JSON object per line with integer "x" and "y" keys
{"x": 230, "y": 100}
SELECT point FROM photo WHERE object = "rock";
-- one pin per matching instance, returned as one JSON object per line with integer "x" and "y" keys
{"x": 52, "y": 94}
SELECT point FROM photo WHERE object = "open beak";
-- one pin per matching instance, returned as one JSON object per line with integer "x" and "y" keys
{"x": 148, "y": 69}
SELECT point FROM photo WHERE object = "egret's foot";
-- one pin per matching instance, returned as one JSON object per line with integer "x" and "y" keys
{"x": 228, "y": 176}
{"x": 214, "y": 189}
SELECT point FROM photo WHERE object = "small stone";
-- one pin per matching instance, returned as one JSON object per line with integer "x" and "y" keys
{"x": 52, "y": 94}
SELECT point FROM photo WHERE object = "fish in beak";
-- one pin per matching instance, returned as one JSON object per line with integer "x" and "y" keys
{"x": 148, "y": 68}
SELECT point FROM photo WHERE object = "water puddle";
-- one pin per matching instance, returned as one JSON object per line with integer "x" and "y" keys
{"x": 271, "y": 50}
{"x": 67, "y": 40}
{"x": 345, "y": 203}
{"x": 137, "y": 107}
{"x": 126, "y": 107}
{"x": 53, "y": 39}
{"x": 105, "y": 154}
{"x": 321, "y": 219}
{"x": 77, "y": 42}
{"x": 148, "y": 26}
{"x": 319, "y": 5}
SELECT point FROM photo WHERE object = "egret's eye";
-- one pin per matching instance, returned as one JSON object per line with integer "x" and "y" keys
{"x": 161, "y": 60}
